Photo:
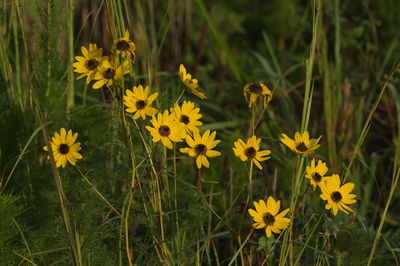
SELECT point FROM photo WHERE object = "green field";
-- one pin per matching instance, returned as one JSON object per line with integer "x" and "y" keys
{"x": 199, "y": 132}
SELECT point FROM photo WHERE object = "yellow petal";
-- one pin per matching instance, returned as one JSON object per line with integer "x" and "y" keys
{"x": 198, "y": 162}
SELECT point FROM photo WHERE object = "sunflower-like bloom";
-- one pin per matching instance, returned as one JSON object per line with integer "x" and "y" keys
{"x": 316, "y": 173}
{"x": 301, "y": 144}
{"x": 188, "y": 115}
{"x": 266, "y": 215}
{"x": 252, "y": 91}
{"x": 201, "y": 147}
{"x": 251, "y": 151}
{"x": 139, "y": 102}
{"x": 192, "y": 84}
{"x": 64, "y": 148}
{"x": 108, "y": 72}
{"x": 89, "y": 63}
{"x": 125, "y": 46}
{"x": 166, "y": 128}
{"x": 337, "y": 196}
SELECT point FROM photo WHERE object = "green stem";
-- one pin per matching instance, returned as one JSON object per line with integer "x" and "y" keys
{"x": 379, "y": 231}
{"x": 288, "y": 238}
{"x": 133, "y": 176}
{"x": 250, "y": 182}
{"x": 70, "y": 25}
{"x": 180, "y": 96}
{"x": 309, "y": 238}
{"x": 198, "y": 181}
{"x": 175, "y": 191}
{"x": 164, "y": 170}
{"x": 253, "y": 120}
{"x": 17, "y": 56}
{"x": 96, "y": 190}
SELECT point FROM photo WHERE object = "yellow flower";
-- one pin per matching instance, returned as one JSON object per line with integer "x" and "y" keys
{"x": 166, "y": 128}
{"x": 89, "y": 63}
{"x": 139, "y": 102}
{"x": 251, "y": 151}
{"x": 192, "y": 84}
{"x": 316, "y": 173}
{"x": 336, "y": 195}
{"x": 188, "y": 115}
{"x": 266, "y": 215}
{"x": 301, "y": 144}
{"x": 108, "y": 72}
{"x": 201, "y": 147}
{"x": 124, "y": 46}
{"x": 64, "y": 148}
{"x": 252, "y": 91}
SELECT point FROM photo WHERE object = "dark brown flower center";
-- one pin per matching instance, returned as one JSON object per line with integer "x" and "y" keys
{"x": 200, "y": 149}
{"x": 122, "y": 45}
{"x": 109, "y": 73}
{"x": 255, "y": 88}
{"x": 301, "y": 147}
{"x": 336, "y": 196}
{"x": 250, "y": 152}
{"x": 63, "y": 148}
{"x": 269, "y": 219}
{"x": 317, "y": 177}
{"x": 140, "y": 104}
{"x": 164, "y": 131}
{"x": 91, "y": 64}
{"x": 184, "y": 119}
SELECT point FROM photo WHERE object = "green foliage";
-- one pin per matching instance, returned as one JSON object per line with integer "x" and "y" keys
{"x": 10, "y": 238}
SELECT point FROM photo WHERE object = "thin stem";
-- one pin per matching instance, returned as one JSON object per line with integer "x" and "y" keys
{"x": 175, "y": 191}
{"x": 379, "y": 231}
{"x": 77, "y": 259}
{"x": 96, "y": 190}
{"x": 250, "y": 182}
{"x": 180, "y": 96}
{"x": 70, "y": 24}
{"x": 198, "y": 181}
{"x": 251, "y": 161}
{"x": 288, "y": 238}
{"x": 241, "y": 247}
{"x": 164, "y": 170}
{"x": 253, "y": 120}
{"x": 133, "y": 176}
{"x": 309, "y": 238}
{"x": 159, "y": 203}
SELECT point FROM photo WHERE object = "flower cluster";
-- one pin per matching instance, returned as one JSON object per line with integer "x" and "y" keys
{"x": 336, "y": 195}
{"x": 266, "y": 215}
{"x": 177, "y": 124}
{"x": 181, "y": 122}
{"x": 105, "y": 69}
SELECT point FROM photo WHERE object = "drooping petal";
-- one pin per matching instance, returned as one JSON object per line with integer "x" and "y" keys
{"x": 204, "y": 161}
{"x": 257, "y": 164}
{"x": 167, "y": 142}
{"x": 268, "y": 231}
{"x": 198, "y": 162}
